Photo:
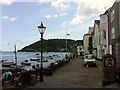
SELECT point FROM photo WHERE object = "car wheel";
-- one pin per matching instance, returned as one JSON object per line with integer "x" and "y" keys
{"x": 95, "y": 65}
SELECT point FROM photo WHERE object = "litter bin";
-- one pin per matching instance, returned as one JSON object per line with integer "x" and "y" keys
{"x": 108, "y": 69}
{"x": 32, "y": 79}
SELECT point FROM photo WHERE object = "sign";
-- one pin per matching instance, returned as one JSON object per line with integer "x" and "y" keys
{"x": 108, "y": 68}
{"x": 109, "y": 62}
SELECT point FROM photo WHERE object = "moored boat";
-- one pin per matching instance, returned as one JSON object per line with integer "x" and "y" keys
{"x": 6, "y": 63}
{"x": 42, "y": 60}
{"x": 37, "y": 54}
{"x": 49, "y": 57}
{"x": 26, "y": 62}
{"x": 34, "y": 59}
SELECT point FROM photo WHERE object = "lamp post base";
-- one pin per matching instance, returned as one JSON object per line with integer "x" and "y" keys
{"x": 41, "y": 77}
{"x": 41, "y": 80}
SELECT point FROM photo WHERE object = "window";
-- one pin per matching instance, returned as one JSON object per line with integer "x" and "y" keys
{"x": 113, "y": 33}
{"x": 112, "y": 15}
{"x": 104, "y": 34}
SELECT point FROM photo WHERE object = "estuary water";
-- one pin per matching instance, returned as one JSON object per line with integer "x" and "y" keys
{"x": 10, "y": 56}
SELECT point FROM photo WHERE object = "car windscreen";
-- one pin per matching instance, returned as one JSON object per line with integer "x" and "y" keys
{"x": 89, "y": 57}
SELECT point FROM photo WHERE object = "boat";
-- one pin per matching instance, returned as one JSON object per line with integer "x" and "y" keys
{"x": 34, "y": 59}
{"x": 6, "y": 63}
{"x": 49, "y": 57}
{"x": 37, "y": 54}
{"x": 26, "y": 62}
{"x": 42, "y": 60}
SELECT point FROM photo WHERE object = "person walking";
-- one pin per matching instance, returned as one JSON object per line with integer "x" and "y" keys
{"x": 6, "y": 76}
{"x": 37, "y": 70}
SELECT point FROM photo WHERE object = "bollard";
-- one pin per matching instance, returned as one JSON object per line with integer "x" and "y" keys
{"x": 32, "y": 79}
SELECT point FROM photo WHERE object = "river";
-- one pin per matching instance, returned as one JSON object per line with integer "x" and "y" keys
{"x": 10, "y": 56}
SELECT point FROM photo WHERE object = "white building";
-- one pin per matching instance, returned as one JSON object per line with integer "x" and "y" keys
{"x": 96, "y": 39}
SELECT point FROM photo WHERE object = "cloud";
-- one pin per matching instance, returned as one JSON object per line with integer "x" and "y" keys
{"x": 9, "y": 19}
{"x": 48, "y": 16}
{"x": 77, "y": 19}
{"x": 6, "y": 2}
{"x": 44, "y": 1}
{"x": 85, "y": 8}
{"x": 55, "y": 15}
{"x": 51, "y": 16}
{"x": 63, "y": 14}
{"x": 59, "y": 4}
{"x": 88, "y": 8}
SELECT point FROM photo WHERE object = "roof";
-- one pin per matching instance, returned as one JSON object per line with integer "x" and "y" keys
{"x": 97, "y": 22}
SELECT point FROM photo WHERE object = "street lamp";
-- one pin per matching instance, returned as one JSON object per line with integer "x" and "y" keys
{"x": 15, "y": 50}
{"x": 66, "y": 41}
{"x": 41, "y": 29}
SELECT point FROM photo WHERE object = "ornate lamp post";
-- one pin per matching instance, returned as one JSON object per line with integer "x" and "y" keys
{"x": 15, "y": 50}
{"x": 41, "y": 29}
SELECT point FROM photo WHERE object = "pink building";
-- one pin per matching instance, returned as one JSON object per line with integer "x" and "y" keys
{"x": 104, "y": 33}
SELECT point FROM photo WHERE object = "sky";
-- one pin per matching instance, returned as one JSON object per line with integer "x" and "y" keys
{"x": 19, "y": 20}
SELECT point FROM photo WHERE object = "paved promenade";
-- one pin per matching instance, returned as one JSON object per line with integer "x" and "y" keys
{"x": 73, "y": 75}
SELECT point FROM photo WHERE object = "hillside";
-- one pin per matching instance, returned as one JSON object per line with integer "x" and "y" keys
{"x": 51, "y": 45}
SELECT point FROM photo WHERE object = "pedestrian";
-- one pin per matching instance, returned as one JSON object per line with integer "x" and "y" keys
{"x": 34, "y": 71}
{"x": 33, "y": 68}
{"x": 23, "y": 69}
{"x": 37, "y": 70}
{"x": 37, "y": 67}
{"x": 7, "y": 75}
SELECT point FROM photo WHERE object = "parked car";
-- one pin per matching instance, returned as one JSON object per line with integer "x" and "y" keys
{"x": 89, "y": 60}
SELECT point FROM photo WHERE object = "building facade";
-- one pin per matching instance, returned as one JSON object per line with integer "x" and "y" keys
{"x": 96, "y": 39}
{"x": 114, "y": 30}
{"x": 86, "y": 40}
{"x": 104, "y": 33}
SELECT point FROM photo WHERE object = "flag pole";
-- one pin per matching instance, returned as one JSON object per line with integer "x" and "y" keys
{"x": 66, "y": 40}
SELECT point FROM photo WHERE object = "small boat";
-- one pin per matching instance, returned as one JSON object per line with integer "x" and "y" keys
{"x": 34, "y": 59}
{"x": 26, "y": 62}
{"x": 42, "y": 60}
{"x": 49, "y": 57}
{"x": 6, "y": 63}
{"x": 37, "y": 54}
